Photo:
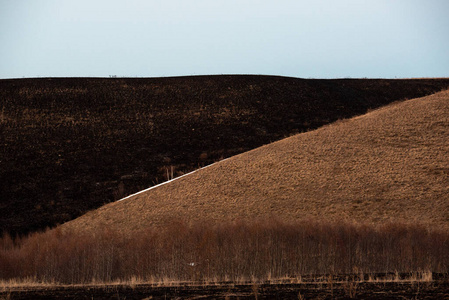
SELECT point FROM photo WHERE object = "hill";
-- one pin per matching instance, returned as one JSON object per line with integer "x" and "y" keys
{"x": 387, "y": 165}
{"x": 69, "y": 145}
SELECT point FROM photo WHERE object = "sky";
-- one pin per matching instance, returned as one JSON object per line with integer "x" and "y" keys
{"x": 160, "y": 38}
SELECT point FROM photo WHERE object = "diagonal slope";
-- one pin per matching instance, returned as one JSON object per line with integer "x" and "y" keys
{"x": 388, "y": 165}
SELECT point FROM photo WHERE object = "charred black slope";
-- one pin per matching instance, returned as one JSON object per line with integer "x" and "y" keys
{"x": 69, "y": 145}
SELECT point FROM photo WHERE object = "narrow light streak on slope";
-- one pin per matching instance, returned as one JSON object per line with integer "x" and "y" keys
{"x": 171, "y": 180}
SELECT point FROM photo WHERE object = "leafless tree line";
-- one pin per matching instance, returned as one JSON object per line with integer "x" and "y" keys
{"x": 257, "y": 250}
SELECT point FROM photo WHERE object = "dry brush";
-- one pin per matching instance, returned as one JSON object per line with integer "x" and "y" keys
{"x": 234, "y": 251}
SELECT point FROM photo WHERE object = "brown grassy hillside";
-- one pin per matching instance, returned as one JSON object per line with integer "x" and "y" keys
{"x": 388, "y": 165}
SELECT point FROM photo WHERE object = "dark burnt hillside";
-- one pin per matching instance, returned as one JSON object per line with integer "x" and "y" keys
{"x": 69, "y": 145}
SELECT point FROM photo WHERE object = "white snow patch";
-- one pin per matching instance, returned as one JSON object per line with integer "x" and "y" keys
{"x": 168, "y": 181}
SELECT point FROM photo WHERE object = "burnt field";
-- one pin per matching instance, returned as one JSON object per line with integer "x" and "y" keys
{"x": 69, "y": 145}
{"x": 349, "y": 288}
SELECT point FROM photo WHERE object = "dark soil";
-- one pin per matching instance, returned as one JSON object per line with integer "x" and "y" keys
{"x": 69, "y": 145}
{"x": 347, "y": 290}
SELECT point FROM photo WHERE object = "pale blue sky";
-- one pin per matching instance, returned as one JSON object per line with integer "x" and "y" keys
{"x": 153, "y": 38}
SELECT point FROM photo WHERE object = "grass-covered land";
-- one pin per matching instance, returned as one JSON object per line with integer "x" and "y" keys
{"x": 69, "y": 145}
{"x": 355, "y": 209}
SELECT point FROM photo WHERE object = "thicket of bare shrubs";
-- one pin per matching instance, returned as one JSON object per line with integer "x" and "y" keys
{"x": 232, "y": 251}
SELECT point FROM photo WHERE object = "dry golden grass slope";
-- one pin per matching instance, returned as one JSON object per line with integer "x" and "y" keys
{"x": 391, "y": 164}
